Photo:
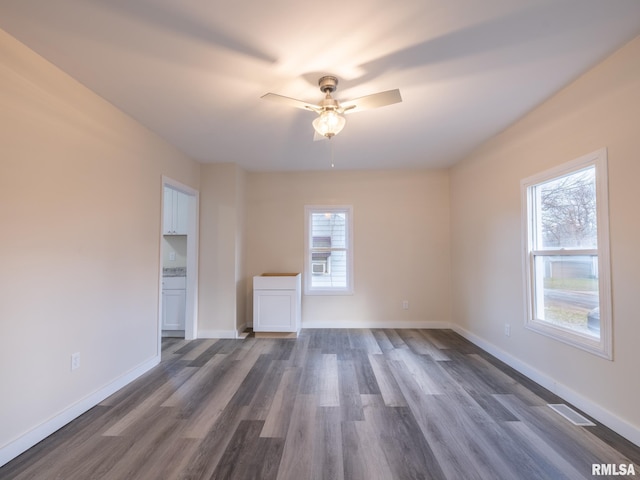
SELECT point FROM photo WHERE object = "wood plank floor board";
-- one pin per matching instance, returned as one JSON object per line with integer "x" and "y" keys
{"x": 406, "y": 361}
{"x": 169, "y": 345}
{"x": 350, "y": 401}
{"x": 328, "y": 342}
{"x": 248, "y": 456}
{"x": 220, "y": 396}
{"x": 395, "y": 338}
{"x": 266, "y": 389}
{"x": 149, "y": 438}
{"x": 419, "y": 344}
{"x": 222, "y": 346}
{"x": 525, "y": 388}
{"x": 192, "y": 354}
{"x": 328, "y": 460}
{"x": 155, "y": 398}
{"x": 455, "y": 454}
{"x": 210, "y": 449}
{"x": 283, "y": 348}
{"x": 468, "y": 378}
{"x": 134, "y": 393}
{"x": 407, "y": 452}
{"x": 503, "y": 381}
{"x": 366, "y": 378}
{"x": 543, "y": 461}
{"x": 297, "y": 456}
{"x": 617, "y": 442}
{"x": 449, "y": 340}
{"x": 71, "y": 456}
{"x": 94, "y": 460}
{"x": 312, "y": 372}
{"x": 331, "y": 404}
{"x": 189, "y": 388}
{"x": 434, "y": 339}
{"x": 481, "y": 456}
{"x": 366, "y": 459}
{"x": 387, "y": 384}
{"x": 194, "y": 399}
{"x": 279, "y": 415}
{"x": 328, "y": 390}
{"x": 249, "y": 385}
{"x": 364, "y": 340}
{"x": 48, "y": 451}
{"x": 571, "y": 441}
{"x": 171, "y": 461}
{"x": 381, "y": 337}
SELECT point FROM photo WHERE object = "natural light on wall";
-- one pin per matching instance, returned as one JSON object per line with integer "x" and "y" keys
{"x": 567, "y": 253}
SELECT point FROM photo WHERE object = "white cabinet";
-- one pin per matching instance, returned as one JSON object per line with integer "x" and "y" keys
{"x": 173, "y": 303}
{"x": 277, "y": 303}
{"x": 174, "y": 219}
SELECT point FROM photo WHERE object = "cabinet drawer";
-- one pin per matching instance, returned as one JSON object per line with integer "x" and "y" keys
{"x": 276, "y": 282}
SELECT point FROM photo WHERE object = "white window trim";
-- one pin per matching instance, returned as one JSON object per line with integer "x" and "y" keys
{"x": 308, "y": 289}
{"x": 603, "y": 346}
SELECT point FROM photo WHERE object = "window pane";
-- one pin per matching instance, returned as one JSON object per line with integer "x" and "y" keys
{"x": 567, "y": 211}
{"x": 328, "y": 265}
{"x": 330, "y": 270}
{"x": 328, "y": 230}
{"x": 567, "y": 292}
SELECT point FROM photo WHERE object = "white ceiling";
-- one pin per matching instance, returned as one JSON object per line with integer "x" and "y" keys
{"x": 193, "y": 71}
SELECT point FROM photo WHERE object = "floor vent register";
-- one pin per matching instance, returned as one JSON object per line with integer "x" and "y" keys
{"x": 571, "y": 415}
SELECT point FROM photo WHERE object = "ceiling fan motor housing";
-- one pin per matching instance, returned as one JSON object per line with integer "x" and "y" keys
{"x": 328, "y": 84}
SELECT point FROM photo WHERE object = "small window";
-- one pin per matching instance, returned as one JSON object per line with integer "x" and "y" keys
{"x": 328, "y": 250}
{"x": 567, "y": 253}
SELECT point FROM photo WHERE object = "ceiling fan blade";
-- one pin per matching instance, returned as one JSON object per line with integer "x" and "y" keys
{"x": 292, "y": 102}
{"x": 372, "y": 101}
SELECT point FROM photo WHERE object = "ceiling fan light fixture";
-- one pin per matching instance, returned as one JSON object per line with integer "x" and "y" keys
{"x": 329, "y": 123}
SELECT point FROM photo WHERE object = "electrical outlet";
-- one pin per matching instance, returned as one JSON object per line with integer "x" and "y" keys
{"x": 507, "y": 330}
{"x": 405, "y": 304}
{"x": 172, "y": 256}
{"x": 75, "y": 361}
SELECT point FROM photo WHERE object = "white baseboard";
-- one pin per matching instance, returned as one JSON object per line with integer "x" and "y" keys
{"x": 604, "y": 416}
{"x": 217, "y": 334}
{"x": 14, "y": 448}
{"x": 240, "y": 330}
{"x": 390, "y": 324}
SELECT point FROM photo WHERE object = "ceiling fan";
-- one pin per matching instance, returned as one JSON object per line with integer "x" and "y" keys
{"x": 330, "y": 120}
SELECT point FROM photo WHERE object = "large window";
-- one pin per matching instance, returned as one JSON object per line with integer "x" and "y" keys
{"x": 567, "y": 253}
{"x": 328, "y": 249}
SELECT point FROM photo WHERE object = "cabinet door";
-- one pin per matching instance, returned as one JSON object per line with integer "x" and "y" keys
{"x": 173, "y": 309}
{"x": 181, "y": 213}
{"x": 168, "y": 213}
{"x": 274, "y": 311}
{"x": 175, "y": 216}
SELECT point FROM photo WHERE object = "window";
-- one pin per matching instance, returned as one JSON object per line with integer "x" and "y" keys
{"x": 567, "y": 253}
{"x": 328, "y": 250}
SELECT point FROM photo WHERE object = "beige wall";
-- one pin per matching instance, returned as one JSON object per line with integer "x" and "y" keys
{"x": 401, "y": 236}
{"x": 80, "y": 196}
{"x": 221, "y": 311}
{"x": 601, "y": 109}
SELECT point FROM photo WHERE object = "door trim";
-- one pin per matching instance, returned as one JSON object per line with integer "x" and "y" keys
{"x": 191, "y": 314}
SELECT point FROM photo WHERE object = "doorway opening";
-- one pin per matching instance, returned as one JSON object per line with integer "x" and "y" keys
{"x": 178, "y": 261}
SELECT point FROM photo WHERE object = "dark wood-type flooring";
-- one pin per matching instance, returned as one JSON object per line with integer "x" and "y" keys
{"x": 331, "y": 404}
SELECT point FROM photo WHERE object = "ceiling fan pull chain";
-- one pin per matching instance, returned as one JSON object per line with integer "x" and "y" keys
{"x": 331, "y": 143}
